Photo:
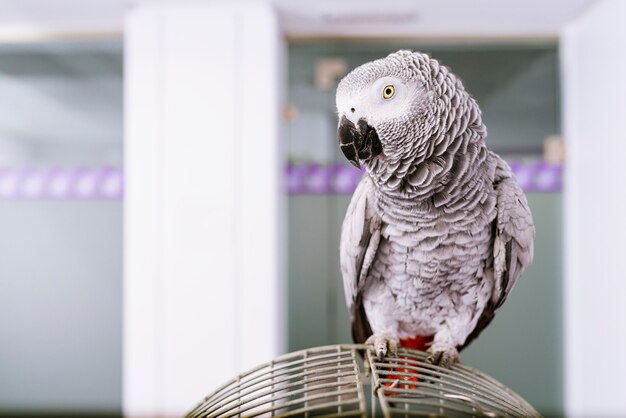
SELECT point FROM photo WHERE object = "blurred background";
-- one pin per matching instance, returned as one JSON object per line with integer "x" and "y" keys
{"x": 171, "y": 191}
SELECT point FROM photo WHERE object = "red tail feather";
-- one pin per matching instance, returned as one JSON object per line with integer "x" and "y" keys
{"x": 415, "y": 343}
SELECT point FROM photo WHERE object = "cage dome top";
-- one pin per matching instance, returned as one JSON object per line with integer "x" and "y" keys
{"x": 332, "y": 381}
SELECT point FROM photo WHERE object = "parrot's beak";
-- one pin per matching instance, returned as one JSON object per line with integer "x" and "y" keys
{"x": 358, "y": 143}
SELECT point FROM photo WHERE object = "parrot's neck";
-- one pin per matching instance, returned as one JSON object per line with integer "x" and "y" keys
{"x": 457, "y": 192}
{"x": 436, "y": 180}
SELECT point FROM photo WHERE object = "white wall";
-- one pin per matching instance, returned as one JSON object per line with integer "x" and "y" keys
{"x": 594, "y": 87}
{"x": 203, "y": 204}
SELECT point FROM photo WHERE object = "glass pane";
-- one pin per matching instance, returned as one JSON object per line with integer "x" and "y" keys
{"x": 61, "y": 222}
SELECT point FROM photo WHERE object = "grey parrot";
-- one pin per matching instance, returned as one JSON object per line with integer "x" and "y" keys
{"x": 438, "y": 230}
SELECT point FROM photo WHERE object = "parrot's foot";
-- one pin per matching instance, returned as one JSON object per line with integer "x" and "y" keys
{"x": 444, "y": 356}
{"x": 383, "y": 345}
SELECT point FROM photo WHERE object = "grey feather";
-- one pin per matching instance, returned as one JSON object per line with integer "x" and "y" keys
{"x": 360, "y": 238}
{"x": 513, "y": 243}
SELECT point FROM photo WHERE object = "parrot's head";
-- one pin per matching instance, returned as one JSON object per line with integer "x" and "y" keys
{"x": 395, "y": 111}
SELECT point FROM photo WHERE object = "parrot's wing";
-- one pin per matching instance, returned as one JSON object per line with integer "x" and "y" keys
{"x": 360, "y": 235}
{"x": 513, "y": 242}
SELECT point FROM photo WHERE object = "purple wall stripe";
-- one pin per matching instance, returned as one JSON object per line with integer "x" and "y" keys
{"x": 58, "y": 184}
{"x": 308, "y": 179}
{"x": 311, "y": 179}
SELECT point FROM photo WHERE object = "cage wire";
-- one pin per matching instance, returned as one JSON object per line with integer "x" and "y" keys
{"x": 331, "y": 381}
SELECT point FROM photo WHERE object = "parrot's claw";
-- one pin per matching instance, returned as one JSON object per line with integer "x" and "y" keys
{"x": 443, "y": 356}
{"x": 383, "y": 345}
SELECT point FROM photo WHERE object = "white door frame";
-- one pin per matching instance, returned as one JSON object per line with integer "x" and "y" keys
{"x": 204, "y": 210}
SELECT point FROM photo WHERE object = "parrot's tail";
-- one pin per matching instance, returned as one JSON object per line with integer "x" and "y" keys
{"x": 417, "y": 343}
{"x": 402, "y": 375}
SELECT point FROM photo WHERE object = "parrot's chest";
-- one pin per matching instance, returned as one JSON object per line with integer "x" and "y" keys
{"x": 430, "y": 273}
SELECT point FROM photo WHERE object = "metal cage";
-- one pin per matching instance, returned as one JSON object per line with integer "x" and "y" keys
{"x": 330, "y": 381}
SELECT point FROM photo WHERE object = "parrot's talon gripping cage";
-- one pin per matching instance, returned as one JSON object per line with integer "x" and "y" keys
{"x": 330, "y": 381}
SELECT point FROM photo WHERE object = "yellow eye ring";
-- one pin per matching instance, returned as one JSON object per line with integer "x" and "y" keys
{"x": 389, "y": 91}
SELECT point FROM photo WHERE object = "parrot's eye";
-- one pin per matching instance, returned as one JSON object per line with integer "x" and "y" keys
{"x": 389, "y": 91}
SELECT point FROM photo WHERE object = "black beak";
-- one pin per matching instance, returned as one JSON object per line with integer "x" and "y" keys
{"x": 358, "y": 143}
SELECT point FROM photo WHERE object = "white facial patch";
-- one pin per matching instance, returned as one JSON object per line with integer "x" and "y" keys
{"x": 387, "y": 108}
{"x": 375, "y": 103}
